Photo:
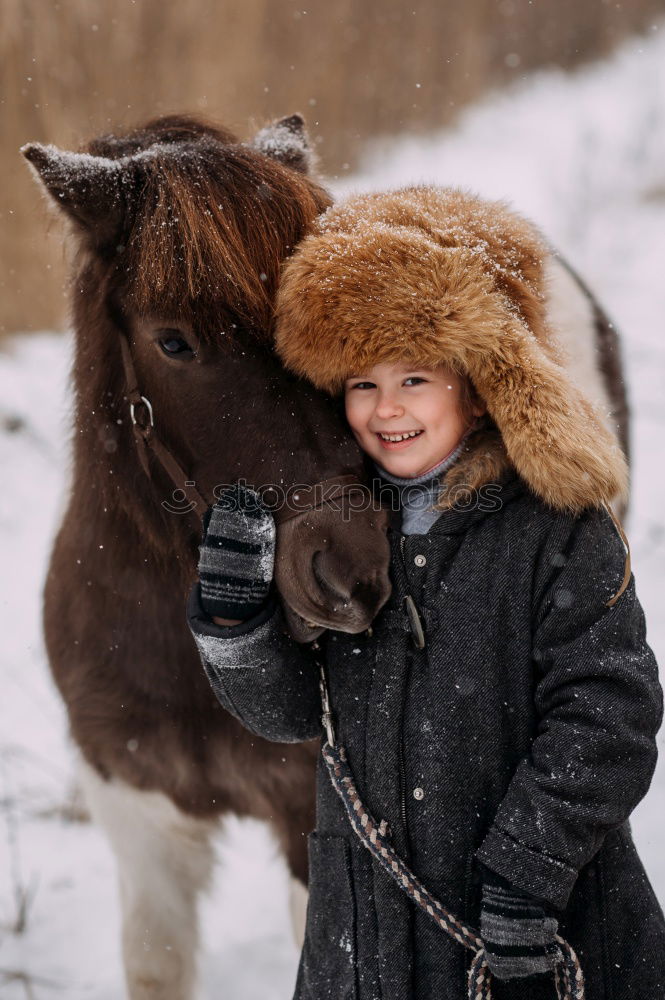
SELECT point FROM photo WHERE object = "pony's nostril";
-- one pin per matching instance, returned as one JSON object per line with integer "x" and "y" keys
{"x": 361, "y": 587}
{"x": 365, "y": 592}
{"x": 328, "y": 586}
{"x": 368, "y": 593}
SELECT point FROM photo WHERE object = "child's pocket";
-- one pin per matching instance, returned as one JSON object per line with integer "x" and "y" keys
{"x": 328, "y": 963}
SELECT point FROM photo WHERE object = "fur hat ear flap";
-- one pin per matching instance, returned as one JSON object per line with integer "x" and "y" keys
{"x": 557, "y": 441}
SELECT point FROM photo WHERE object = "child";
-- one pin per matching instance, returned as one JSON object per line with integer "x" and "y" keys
{"x": 505, "y": 728}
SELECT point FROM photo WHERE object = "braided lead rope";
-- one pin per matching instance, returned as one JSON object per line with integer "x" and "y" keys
{"x": 479, "y": 978}
{"x": 569, "y": 977}
{"x": 561, "y": 980}
{"x": 373, "y": 837}
{"x": 568, "y": 973}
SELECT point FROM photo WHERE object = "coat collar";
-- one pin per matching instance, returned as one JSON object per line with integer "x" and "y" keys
{"x": 491, "y": 498}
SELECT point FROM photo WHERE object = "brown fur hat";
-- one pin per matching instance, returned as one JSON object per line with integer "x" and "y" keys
{"x": 430, "y": 275}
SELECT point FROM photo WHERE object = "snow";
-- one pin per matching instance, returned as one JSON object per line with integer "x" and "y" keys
{"x": 284, "y": 140}
{"x": 583, "y": 156}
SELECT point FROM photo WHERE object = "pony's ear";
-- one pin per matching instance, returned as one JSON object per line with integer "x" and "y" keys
{"x": 89, "y": 189}
{"x": 286, "y": 140}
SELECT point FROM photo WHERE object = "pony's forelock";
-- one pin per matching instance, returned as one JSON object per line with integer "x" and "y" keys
{"x": 212, "y": 224}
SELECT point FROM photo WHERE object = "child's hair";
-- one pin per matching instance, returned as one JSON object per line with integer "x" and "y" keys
{"x": 469, "y": 398}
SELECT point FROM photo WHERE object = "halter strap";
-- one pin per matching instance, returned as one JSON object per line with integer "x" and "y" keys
{"x": 307, "y": 498}
{"x": 146, "y": 437}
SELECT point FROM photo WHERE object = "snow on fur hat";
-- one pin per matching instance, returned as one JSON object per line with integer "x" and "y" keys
{"x": 427, "y": 276}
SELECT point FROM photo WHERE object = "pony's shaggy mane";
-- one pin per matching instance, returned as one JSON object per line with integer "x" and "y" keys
{"x": 212, "y": 221}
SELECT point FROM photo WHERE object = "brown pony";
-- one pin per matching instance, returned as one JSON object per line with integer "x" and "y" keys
{"x": 181, "y": 230}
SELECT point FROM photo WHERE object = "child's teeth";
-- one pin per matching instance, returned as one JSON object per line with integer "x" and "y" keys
{"x": 398, "y": 437}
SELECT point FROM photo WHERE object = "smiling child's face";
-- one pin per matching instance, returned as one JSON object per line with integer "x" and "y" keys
{"x": 393, "y": 399}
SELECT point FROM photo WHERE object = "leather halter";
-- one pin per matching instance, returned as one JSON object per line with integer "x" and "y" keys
{"x": 146, "y": 438}
{"x": 307, "y": 498}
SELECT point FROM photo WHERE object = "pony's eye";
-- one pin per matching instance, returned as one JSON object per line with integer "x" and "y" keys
{"x": 173, "y": 345}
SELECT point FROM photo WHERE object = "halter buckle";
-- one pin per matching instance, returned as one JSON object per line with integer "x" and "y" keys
{"x": 148, "y": 406}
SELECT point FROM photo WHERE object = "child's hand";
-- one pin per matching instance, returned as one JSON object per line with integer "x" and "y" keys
{"x": 237, "y": 555}
{"x": 518, "y": 935}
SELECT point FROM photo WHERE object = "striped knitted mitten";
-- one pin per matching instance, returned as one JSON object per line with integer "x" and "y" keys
{"x": 518, "y": 934}
{"x": 237, "y": 555}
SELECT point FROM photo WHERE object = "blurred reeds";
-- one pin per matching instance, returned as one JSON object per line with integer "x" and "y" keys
{"x": 356, "y": 68}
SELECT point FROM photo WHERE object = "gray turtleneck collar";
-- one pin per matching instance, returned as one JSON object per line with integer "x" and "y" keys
{"x": 418, "y": 494}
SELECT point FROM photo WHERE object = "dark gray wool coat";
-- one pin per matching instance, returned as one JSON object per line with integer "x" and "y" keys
{"x": 521, "y": 737}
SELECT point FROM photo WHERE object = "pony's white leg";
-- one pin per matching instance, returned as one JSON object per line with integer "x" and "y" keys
{"x": 165, "y": 858}
{"x": 298, "y": 910}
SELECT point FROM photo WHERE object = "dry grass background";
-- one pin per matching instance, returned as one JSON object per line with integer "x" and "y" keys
{"x": 356, "y": 68}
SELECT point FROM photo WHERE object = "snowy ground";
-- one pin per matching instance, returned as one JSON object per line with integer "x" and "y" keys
{"x": 585, "y": 157}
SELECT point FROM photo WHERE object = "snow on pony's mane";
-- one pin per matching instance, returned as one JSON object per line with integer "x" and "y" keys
{"x": 214, "y": 223}
{"x": 190, "y": 219}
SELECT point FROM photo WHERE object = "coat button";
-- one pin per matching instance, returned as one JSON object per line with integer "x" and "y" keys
{"x": 419, "y": 560}
{"x": 418, "y": 793}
